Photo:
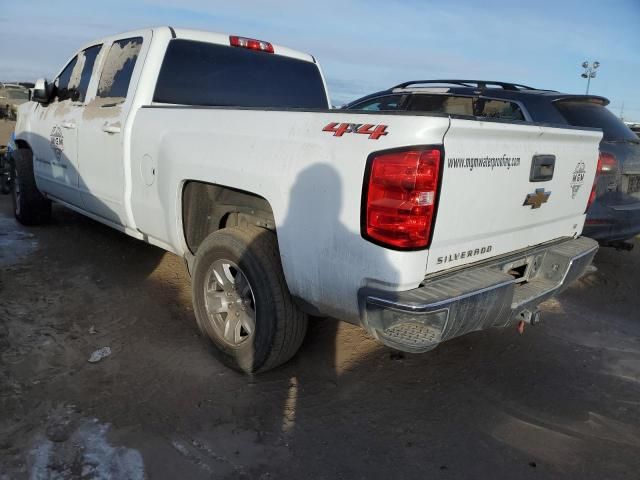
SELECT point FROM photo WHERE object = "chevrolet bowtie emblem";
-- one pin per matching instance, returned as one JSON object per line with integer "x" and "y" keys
{"x": 537, "y": 199}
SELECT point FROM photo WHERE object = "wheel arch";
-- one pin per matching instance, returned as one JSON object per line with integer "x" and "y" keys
{"x": 22, "y": 144}
{"x": 207, "y": 208}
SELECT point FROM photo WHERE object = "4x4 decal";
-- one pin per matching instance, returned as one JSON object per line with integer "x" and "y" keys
{"x": 339, "y": 129}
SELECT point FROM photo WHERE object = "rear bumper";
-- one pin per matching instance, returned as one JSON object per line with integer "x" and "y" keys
{"x": 475, "y": 298}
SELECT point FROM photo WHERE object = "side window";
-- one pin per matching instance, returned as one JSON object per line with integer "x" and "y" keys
{"x": 466, "y": 106}
{"x": 62, "y": 82}
{"x": 390, "y": 102}
{"x": 498, "y": 109}
{"x": 72, "y": 83}
{"x": 442, "y": 104}
{"x": 81, "y": 74}
{"x": 584, "y": 113}
{"x": 118, "y": 68}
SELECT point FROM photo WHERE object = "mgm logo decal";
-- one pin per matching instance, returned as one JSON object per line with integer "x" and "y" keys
{"x": 57, "y": 141}
{"x": 577, "y": 179}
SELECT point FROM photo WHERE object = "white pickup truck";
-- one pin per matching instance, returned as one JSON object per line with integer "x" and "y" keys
{"x": 223, "y": 150}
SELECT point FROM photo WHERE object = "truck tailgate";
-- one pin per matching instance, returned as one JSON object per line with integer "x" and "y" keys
{"x": 490, "y": 202}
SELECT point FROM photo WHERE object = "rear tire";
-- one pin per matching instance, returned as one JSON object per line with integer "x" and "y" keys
{"x": 30, "y": 207}
{"x": 241, "y": 300}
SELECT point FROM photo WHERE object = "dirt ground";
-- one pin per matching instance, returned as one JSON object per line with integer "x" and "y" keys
{"x": 560, "y": 401}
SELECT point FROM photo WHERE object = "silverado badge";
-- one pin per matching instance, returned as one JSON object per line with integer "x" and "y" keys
{"x": 537, "y": 198}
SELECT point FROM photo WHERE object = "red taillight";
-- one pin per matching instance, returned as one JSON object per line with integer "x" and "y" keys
{"x": 592, "y": 195}
{"x": 250, "y": 43}
{"x": 607, "y": 165}
{"x": 400, "y": 198}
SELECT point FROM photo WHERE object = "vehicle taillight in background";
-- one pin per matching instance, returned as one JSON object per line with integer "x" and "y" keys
{"x": 400, "y": 197}
{"x": 250, "y": 43}
{"x": 607, "y": 165}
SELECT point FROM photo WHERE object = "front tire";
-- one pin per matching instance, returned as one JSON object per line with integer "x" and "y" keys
{"x": 241, "y": 300}
{"x": 30, "y": 207}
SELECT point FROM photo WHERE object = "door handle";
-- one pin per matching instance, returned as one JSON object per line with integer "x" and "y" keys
{"x": 68, "y": 125}
{"x": 111, "y": 128}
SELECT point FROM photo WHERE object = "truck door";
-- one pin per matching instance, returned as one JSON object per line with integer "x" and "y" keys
{"x": 55, "y": 130}
{"x": 102, "y": 143}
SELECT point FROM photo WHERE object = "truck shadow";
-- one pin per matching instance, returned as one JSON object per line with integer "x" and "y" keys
{"x": 116, "y": 250}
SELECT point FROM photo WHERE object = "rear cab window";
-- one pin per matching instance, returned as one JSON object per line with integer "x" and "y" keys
{"x": 200, "y": 73}
{"x": 585, "y": 113}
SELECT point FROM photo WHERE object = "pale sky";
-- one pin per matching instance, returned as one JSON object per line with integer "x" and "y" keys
{"x": 367, "y": 45}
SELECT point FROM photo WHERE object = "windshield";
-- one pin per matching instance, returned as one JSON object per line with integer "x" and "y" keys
{"x": 588, "y": 114}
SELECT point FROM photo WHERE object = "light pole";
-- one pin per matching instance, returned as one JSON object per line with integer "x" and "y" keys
{"x": 589, "y": 72}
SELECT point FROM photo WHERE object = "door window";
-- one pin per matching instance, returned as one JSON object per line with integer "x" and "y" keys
{"x": 62, "y": 82}
{"x": 82, "y": 71}
{"x": 388, "y": 102}
{"x": 118, "y": 68}
{"x": 72, "y": 83}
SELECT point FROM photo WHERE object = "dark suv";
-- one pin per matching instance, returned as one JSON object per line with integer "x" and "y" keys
{"x": 614, "y": 217}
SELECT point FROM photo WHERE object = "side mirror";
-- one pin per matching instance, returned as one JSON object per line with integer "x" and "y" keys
{"x": 41, "y": 92}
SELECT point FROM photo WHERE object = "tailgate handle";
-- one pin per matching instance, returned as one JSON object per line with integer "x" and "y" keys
{"x": 542, "y": 168}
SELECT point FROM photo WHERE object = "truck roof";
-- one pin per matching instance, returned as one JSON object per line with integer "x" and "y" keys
{"x": 223, "y": 39}
{"x": 205, "y": 36}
